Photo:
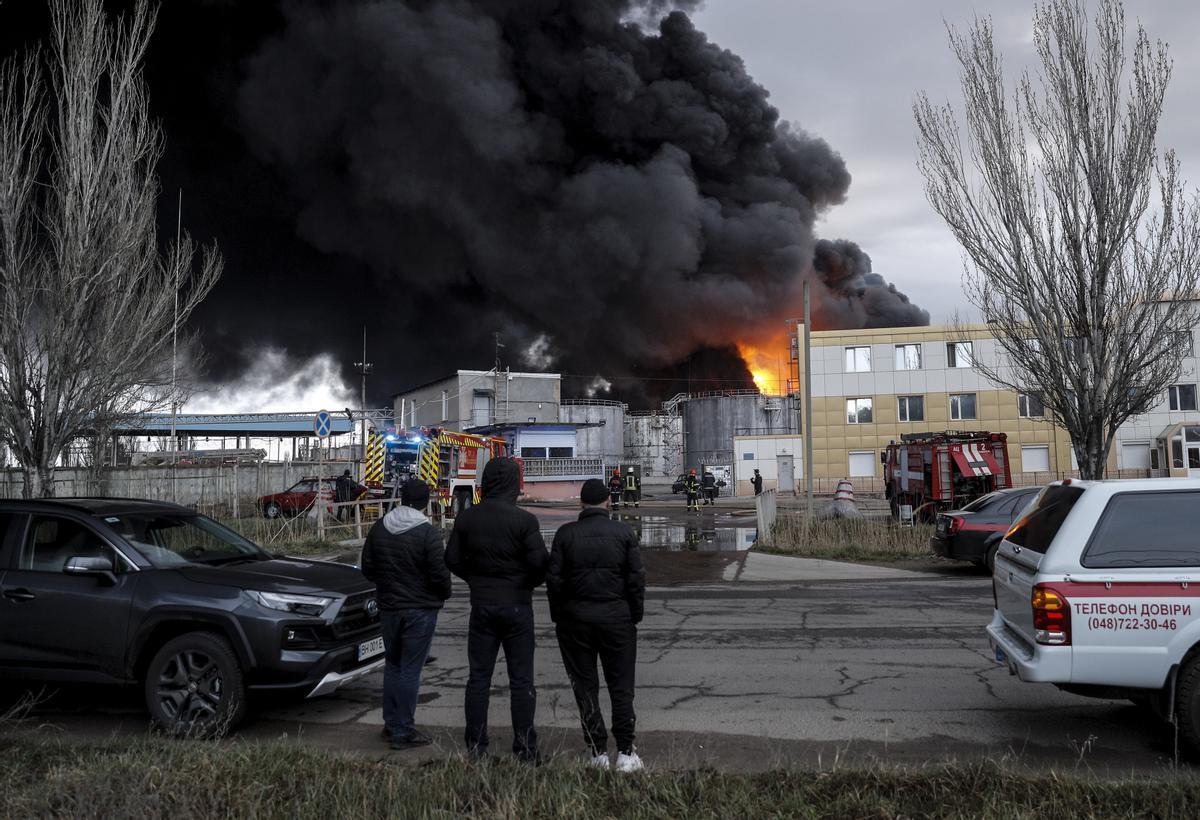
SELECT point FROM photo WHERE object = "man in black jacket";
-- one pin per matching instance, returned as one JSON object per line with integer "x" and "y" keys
{"x": 597, "y": 587}
{"x": 403, "y": 556}
{"x": 497, "y": 548}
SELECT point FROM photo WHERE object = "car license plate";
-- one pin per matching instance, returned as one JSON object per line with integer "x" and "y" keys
{"x": 370, "y": 649}
{"x": 1000, "y": 656}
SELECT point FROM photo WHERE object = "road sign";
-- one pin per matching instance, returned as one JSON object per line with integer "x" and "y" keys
{"x": 323, "y": 424}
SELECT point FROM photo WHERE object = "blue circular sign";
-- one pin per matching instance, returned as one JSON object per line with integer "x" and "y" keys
{"x": 323, "y": 424}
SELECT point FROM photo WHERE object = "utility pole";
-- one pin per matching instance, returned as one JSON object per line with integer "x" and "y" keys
{"x": 174, "y": 360}
{"x": 808, "y": 462}
{"x": 364, "y": 368}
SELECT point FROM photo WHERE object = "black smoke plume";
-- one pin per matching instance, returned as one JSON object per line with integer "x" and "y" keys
{"x": 546, "y": 168}
{"x": 853, "y": 296}
{"x": 591, "y": 173}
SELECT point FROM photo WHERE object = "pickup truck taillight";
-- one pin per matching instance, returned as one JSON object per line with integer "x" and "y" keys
{"x": 1051, "y": 617}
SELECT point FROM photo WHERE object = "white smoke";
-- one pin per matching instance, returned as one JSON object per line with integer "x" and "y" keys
{"x": 538, "y": 355}
{"x": 278, "y": 383}
{"x": 598, "y": 385}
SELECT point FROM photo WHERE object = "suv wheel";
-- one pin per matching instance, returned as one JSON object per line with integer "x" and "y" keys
{"x": 272, "y": 510}
{"x": 193, "y": 686}
{"x": 1187, "y": 705}
{"x": 989, "y": 559}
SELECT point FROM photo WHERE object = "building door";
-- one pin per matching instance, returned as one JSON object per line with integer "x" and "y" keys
{"x": 1193, "y": 460}
{"x": 787, "y": 474}
{"x": 481, "y": 409}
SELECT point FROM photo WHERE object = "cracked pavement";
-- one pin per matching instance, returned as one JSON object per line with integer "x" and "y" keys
{"x": 896, "y": 669}
{"x": 822, "y": 662}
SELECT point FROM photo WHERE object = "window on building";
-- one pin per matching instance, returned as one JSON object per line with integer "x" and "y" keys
{"x": 858, "y": 411}
{"x": 1029, "y": 406}
{"x": 1182, "y": 396}
{"x": 958, "y": 354}
{"x": 858, "y": 360}
{"x": 962, "y": 406}
{"x": 911, "y": 408}
{"x": 1186, "y": 343}
{"x": 562, "y": 452}
{"x": 533, "y": 452}
{"x": 445, "y": 405}
{"x": 908, "y": 357}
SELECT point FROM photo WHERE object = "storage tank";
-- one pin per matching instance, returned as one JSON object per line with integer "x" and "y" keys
{"x": 711, "y": 420}
{"x": 655, "y": 441}
{"x": 604, "y": 442}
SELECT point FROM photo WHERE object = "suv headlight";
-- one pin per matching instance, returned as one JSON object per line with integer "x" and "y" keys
{"x": 299, "y": 604}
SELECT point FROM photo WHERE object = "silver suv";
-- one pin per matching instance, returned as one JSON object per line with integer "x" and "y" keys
{"x": 1097, "y": 590}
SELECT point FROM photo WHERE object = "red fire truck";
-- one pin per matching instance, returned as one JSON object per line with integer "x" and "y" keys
{"x": 931, "y": 472}
{"x": 451, "y": 463}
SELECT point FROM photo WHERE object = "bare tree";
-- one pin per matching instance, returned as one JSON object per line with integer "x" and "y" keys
{"x": 88, "y": 302}
{"x": 1083, "y": 247}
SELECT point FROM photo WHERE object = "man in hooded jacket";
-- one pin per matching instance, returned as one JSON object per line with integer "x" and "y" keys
{"x": 497, "y": 548}
{"x": 403, "y": 555}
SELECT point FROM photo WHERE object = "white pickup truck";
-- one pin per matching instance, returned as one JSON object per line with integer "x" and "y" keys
{"x": 1097, "y": 590}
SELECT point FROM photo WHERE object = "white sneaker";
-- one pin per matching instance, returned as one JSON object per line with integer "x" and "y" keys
{"x": 600, "y": 761}
{"x": 629, "y": 762}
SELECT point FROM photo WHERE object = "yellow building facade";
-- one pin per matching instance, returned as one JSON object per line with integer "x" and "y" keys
{"x": 872, "y": 386}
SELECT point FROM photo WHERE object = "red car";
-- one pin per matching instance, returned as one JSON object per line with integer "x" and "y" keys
{"x": 300, "y": 496}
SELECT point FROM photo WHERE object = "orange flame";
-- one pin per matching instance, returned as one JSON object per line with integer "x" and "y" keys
{"x": 768, "y": 365}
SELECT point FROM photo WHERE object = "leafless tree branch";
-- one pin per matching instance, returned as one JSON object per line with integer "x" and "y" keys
{"x": 87, "y": 300}
{"x": 1083, "y": 246}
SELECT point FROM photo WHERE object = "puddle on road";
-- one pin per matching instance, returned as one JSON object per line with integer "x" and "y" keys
{"x": 702, "y": 533}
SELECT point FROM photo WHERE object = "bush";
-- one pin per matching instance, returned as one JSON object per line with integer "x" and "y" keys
{"x": 852, "y": 538}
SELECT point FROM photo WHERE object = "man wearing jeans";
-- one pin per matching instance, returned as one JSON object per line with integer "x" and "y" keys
{"x": 597, "y": 588}
{"x": 403, "y": 555}
{"x": 497, "y": 549}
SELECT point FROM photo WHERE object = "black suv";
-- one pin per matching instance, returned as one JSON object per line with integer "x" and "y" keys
{"x": 126, "y": 591}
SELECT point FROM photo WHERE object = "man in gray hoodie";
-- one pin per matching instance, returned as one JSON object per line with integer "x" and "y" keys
{"x": 403, "y": 555}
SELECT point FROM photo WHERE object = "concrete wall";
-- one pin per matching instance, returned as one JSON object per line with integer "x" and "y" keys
{"x": 606, "y": 442}
{"x": 222, "y": 491}
{"x": 655, "y": 441}
{"x": 711, "y": 422}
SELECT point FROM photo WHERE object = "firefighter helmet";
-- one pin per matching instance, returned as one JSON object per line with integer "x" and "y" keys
{"x": 693, "y": 472}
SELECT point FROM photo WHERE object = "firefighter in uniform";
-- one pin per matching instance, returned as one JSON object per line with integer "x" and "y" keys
{"x": 614, "y": 490}
{"x": 632, "y": 490}
{"x": 691, "y": 486}
{"x": 708, "y": 483}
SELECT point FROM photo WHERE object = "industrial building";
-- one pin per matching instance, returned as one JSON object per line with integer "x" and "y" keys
{"x": 872, "y": 386}
{"x": 476, "y": 398}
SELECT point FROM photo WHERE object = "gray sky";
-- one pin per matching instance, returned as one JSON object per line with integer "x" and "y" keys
{"x": 849, "y": 72}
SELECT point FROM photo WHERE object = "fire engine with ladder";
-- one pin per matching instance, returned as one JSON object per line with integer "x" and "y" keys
{"x": 450, "y": 462}
{"x": 932, "y": 472}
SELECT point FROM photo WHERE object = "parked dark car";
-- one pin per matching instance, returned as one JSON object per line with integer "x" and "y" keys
{"x": 677, "y": 487}
{"x": 974, "y": 532}
{"x": 300, "y": 496}
{"x": 149, "y": 594}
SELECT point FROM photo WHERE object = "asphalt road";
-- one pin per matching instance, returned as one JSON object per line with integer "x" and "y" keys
{"x": 753, "y": 674}
{"x": 747, "y": 661}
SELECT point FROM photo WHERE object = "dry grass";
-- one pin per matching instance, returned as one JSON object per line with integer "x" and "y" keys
{"x": 151, "y": 778}
{"x": 850, "y": 538}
